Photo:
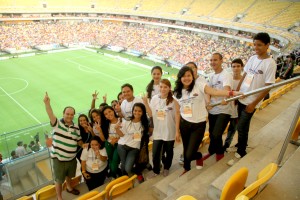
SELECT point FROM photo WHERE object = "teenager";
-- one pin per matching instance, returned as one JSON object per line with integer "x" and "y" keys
{"x": 95, "y": 116}
{"x": 153, "y": 87}
{"x": 94, "y": 163}
{"x": 132, "y": 134}
{"x": 165, "y": 114}
{"x": 109, "y": 122}
{"x": 193, "y": 114}
{"x": 219, "y": 116}
{"x": 258, "y": 72}
{"x": 237, "y": 68}
{"x": 125, "y": 110}
{"x": 86, "y": 132}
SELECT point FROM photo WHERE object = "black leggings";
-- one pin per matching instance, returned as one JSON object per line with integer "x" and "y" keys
{"x": 192, "y": 135}
{"x": 96, "y": 180}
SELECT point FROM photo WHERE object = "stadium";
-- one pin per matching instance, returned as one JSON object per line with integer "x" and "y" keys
{"x": 75, "y": 49}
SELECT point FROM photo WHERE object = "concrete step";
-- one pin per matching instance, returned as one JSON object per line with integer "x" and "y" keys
{"x": 285, "y": 184}
{"x": 197, "y": 187}
{"x": 177, "y": 184}
{"x": 33, "y": 176}
{"x": 45, "y": 168}
{"x": 254, "y": 161}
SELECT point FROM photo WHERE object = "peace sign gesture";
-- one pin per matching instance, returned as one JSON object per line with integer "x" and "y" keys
{"x": 95, "y": 95}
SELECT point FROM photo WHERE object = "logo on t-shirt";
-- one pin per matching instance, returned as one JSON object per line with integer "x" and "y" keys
{"x": 195, "y": 94}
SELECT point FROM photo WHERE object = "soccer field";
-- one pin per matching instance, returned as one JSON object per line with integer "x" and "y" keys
{"x": 69, "y": 77}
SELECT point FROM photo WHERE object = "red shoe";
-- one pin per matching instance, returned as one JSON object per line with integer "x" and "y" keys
{"x": 219, "y": 156}
{"x": 140, "y": 178}
{"x": 199, "y": 163}
{"x": 206, "y": 156}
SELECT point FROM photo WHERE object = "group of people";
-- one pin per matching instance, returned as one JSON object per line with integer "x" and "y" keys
{"x": 117, "y": 135}
{"x": 148, "y": 40}
{"x": 24, "y": 149}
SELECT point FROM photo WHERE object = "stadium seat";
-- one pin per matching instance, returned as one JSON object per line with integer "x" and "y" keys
{"x": 235, "y": 184}
{"x": 74, "y": 182}
{"x": 122, "y": 187}
{"x": 296, "y": 132}
{"x": 114, "y": 182}
{"x": 88, "y": 195}
{"x": 186, "y": 197}
{"x": 150, "y": 144}
{"x": 100, "y": 196}
{"x": 242, "y": 197}
{"x": 263, "y": 176}
{"x": 26, "y": 198}
{"x": 45, "y": 192}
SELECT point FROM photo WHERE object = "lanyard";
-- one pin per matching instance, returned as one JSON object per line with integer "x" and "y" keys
{"x": 256, "y": 67}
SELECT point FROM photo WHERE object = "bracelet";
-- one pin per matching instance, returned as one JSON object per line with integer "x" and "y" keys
{"x": 230, "y": 93}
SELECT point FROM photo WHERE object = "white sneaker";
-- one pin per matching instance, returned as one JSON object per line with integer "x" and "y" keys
{"x": 231, "y": 149}
{"x": 238, "y": 156}
{"x": 230, "y": 162}
{"x": 181, "y": 160}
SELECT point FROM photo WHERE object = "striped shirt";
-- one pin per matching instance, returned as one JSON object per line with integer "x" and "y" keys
{"x": 64, "y": 141}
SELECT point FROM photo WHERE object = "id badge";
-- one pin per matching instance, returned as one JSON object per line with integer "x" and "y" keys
{"x": 95, "y": 166}
{"x": 137, "y": 136}
{"x": 187, "y": 110}
{"x": 161, "y": 114}
{"x": 248, "y": 80}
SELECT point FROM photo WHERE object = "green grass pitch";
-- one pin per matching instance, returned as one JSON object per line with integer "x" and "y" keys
{"x": 70, "y": 78}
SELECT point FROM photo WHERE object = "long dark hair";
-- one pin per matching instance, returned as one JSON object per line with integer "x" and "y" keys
{"x": 80, "y": 127}
{"x": 105, "y": 122}
{"x": 170, "y": 95}
{"x": 94, "y": 110}
{"x": 178, "y": 84}
{"x": 97, "y": 138}
{"x": 149, "y": 87}
{"x": 144, "y": 118}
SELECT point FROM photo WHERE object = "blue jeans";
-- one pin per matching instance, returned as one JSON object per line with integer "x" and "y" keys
{"x": 128, "y": 156}
{"x": 231, "y": 131}
{"x": 243, "y": 128}
{"x": 167, "y": 147}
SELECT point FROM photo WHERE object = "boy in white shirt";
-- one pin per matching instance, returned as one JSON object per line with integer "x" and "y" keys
{"x": 259, "y": 72}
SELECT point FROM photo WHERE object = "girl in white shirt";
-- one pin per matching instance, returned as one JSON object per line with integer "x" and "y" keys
{"x": 96, "y": 121}
{"x": 109, "y": 122}
{"x": 94, "y": 163}
{"x": 132, "y": 135}
{"x": 190, "y": 97}
{"x": 165, "y": 113}
{"x": 153, "y": 87}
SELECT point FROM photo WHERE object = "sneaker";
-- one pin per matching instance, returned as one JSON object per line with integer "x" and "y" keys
{"x": 206, "y": 156}
{"x": 140, "y": 178}
{"x": 166, "y": 172}
{"x": 199, "y": 163}
{"x": 185, "y": 171}
{"x": 231, "y": 149}
{"x": 237, "y": 155}
{"x": 230, "y": 162}
{"x": 151, "y": 175}
{"x": 181, "y": 160}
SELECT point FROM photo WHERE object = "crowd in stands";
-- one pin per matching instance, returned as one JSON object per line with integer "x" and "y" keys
{"x": 175, "y": 45}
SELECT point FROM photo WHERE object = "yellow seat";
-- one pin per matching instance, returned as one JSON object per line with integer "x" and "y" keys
{"x": 296, "y": 132}
{"x": 26, "y": 198}
{"x": 186, "y": 197}
{"x": 74, "y": 182}
{"x": 100, "y": 196}
{"x": 122, "y": 187}
{"x": 263, "y": 176}
{"x": 242, "y": 197}
{"x": 150, "y": 144}
{"x": 45, "y": 192}
{"x": 114, "y": 182}
{"x": 235, "y": 184}
{"x": 88, "y": 195}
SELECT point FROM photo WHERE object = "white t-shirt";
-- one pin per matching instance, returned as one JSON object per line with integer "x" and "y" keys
{"x": 155, "y": 90}
{"x": 129, "y": 128}
{"x": 90, "y": 157}
{"x": 112, "y": 131}
{"x": 197, "y": 101}
{"x": 234, "y": 107}
{"x": 126, "y": 107}
{"x": 263, "y": 72}
{"x": 164, "y": 127}
{"x": 200, "y": 79}
{"x": 219, "y": 81}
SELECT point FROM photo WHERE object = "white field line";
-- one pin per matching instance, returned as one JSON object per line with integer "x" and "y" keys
{"x": 21, "y": 106}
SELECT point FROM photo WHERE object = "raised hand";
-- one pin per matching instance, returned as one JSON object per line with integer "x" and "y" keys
{"x": 46, "y": 99}
{"x": 95, "y": 95}
{"x": 104, "y": 98}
